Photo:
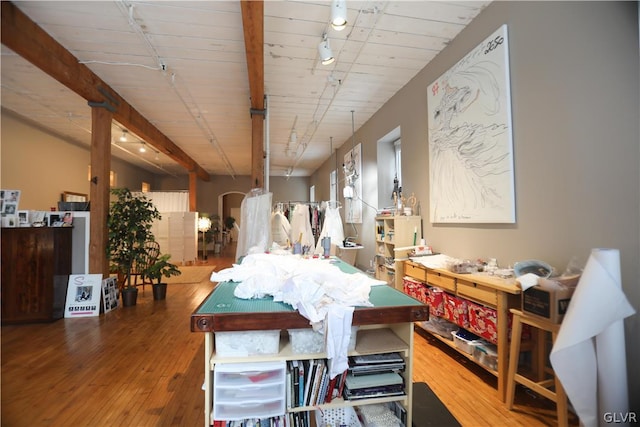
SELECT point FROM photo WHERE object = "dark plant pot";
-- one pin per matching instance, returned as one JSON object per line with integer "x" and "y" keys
{"x": 159, "y": 291}
{"x": 129, "y": 296}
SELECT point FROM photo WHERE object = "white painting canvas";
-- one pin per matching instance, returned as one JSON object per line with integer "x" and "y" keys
{"x": 353, "y": 185}
{"x": 470, "y": 138}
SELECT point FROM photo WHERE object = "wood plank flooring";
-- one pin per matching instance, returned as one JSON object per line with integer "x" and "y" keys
{"x": 142, "y": 366}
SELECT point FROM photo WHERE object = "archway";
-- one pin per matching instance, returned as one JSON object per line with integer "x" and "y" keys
{"x": 229, "y": 204}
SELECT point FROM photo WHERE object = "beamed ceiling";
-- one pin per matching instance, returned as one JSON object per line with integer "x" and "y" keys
{"x": 185, "y": 68}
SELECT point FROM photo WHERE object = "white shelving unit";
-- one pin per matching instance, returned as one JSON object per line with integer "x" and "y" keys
{"x": 394, "y": 231}
{"x": 222, "y": 371}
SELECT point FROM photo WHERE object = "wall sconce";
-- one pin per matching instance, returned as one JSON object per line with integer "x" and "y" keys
{"x": 338, "y": 15}
{"x": 326, "y": 55}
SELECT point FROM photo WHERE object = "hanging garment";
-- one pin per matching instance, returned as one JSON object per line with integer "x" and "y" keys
{"x": 255, "y": 230}
{"x": 301, "y": 226}
{"x": 332, "y": 228}
{"x": 280, "y": 228}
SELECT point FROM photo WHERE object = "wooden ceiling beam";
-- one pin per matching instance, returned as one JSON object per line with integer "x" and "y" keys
{"x": 27, "y": 39}
{"x": 253, "y": 25}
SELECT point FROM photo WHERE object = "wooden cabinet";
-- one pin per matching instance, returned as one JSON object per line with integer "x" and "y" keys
{"x": 393, "y": 232}
{"x": 483, "y": 290}
{"x": 36, "y": 263}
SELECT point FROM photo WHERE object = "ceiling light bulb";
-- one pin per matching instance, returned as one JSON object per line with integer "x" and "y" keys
{"x": 326, "y": 55}
{"x": 338, "y": 15}
{"x": 123, "y": 137}
{"x": 143, "y": 149}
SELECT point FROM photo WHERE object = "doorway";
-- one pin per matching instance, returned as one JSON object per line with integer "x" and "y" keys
{"x": 229, "y": 205}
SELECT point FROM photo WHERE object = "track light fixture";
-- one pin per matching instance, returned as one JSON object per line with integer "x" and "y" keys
{"x": 143, "y": 148}
{"x": 123, "y": 137}
{"x": 338, "y": 14}
{"x": 326, "y": 55}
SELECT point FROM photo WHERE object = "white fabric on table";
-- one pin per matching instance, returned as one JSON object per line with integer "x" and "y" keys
{"x": 317, "y": 288}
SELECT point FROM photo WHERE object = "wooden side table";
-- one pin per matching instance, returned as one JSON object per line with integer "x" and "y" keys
{"x": 542, "y": 385}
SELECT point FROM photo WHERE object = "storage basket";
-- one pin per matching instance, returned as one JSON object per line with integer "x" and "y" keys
{"x": 337, "y": 417}
{"x": 247, "y": 343}
{"x": 465, "y": 341}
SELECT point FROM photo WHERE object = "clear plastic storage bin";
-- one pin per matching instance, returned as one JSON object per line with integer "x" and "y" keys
{"x": 247, "y": 343}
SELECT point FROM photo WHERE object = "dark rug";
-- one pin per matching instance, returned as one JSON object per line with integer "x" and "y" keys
{"x": 428, "y": 410}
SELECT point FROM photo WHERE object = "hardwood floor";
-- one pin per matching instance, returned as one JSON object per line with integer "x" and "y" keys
{"x": 142, "y": 366}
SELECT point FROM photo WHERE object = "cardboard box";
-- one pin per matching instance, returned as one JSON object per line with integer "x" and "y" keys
{"x": 548, "y": 304}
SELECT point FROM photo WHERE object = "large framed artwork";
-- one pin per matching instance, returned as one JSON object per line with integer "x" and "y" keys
{"x": 353, "y": 185}
{"x": 470, "y": 138}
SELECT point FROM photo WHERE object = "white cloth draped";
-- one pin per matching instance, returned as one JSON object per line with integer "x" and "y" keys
{"x": 301, "y": 226}
{"x": 255, "y": 230}
{"x": 316, "y": 287}
{"x": 331, "y": 227}
{"x": 589, "y": 353}
{"x": 280, "y": 229}
{"x": 169, "y": 201}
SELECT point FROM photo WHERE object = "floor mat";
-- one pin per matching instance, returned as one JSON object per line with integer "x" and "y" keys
{"x": 428, "y": 410}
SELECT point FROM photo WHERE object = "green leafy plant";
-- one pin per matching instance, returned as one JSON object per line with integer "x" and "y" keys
{"x": 229, "y": 222}
{"x": 129, "y": 227}
{"x": 162, "y": 267}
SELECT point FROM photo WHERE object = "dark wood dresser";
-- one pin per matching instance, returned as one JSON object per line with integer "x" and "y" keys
{"x": 36, "y": 264}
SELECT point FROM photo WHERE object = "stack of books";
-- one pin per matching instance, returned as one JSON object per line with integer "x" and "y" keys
{"x": 375, "y": 375}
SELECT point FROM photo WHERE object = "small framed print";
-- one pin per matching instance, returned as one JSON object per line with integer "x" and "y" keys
{"x": 9, "y": 221}
{"x": 55, "y": 219}
{"x": 23, "y": 219}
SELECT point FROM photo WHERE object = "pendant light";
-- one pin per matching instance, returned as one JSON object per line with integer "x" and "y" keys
{"x": 338, "y": 15}
{"x": 326, "y": 55}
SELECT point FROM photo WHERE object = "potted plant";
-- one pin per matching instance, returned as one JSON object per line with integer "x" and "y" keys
{"x": 162, "y": 267}
{"x": 129, "y": 224}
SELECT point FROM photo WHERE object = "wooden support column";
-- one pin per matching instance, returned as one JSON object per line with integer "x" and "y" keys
{"x": 193, "y": 192}
{"x": 257, "y": 151}
{"x": 99, "y": 189}
{"x": 253, "y": 24}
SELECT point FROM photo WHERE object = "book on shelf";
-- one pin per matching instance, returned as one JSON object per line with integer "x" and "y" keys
{"x": 371, "y": 392}
{"x": 295, "y": 383}
{"x": 373, "y": 380}
{"x": 309, "y": 370}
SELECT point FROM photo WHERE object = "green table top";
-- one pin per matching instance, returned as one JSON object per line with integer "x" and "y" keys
{"x": 222, "y": 300}
{"x": 222, "y": 311}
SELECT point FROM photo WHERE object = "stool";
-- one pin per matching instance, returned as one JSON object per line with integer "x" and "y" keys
{"x": 542, "y": 386}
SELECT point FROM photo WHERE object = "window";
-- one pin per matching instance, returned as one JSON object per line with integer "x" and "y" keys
{"x": 397, "y": 150}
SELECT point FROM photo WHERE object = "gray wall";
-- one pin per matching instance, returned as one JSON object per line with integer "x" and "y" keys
{"x": 575, "y": 103}
{"x": 43, "y": 165}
